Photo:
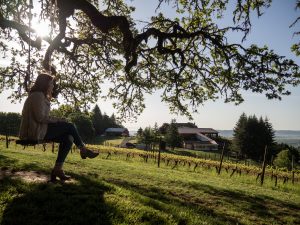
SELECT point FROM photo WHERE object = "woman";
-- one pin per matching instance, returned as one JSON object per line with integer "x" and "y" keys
{"x": 37, "y": 125}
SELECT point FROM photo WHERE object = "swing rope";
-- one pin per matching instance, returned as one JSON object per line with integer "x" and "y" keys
{"x": 52, "y": 19}
{"x": 28, "y": 74}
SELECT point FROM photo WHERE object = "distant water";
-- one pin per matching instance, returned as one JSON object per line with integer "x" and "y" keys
{"x": 290, "y": 137}
{"x": 288, "y": 134}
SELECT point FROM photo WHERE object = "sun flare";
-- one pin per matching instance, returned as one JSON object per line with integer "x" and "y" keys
{"x": 41, "y": 28}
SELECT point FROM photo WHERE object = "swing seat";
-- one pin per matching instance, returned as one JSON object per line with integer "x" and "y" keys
{"x": 29, "y": 142}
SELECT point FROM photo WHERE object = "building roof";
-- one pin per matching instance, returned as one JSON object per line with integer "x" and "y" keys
{"x": 188, "y": 130}
{"x": 191, "y": 125}
{"x": 115, "y": 130}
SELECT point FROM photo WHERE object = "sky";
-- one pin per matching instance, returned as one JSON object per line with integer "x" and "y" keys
{"x": 272, "y": 29}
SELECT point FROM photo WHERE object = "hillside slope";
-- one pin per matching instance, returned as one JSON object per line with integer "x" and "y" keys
{"x": 119, "y": 190}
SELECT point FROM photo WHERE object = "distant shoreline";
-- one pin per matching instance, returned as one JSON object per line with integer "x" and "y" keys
{"x": 278, "y": 133}
{"x": 289, "y": 137}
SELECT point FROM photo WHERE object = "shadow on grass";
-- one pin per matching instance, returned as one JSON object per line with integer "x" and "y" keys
{"x": 4, "y": 161}
{"x": 165, "y": 201}
{"x": 258, "y": 209}
{"x": 65, "y": 204}
{"x": 261, "y": 206}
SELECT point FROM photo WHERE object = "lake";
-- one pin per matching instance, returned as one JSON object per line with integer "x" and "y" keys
{"x": 290, "y": 137}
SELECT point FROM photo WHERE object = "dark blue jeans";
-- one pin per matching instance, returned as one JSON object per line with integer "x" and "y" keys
{"x": 65, "y": 134}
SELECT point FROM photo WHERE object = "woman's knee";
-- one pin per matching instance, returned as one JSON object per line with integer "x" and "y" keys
{"x": 71, "y": 127}
{"x": 68, "y": 139}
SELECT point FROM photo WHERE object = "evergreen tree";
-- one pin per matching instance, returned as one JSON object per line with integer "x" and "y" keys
{"x": 270, "y": 133}
{"x": 251, "y": 136}
{"x": 172, "y": 136}
{"x": 253, "y": 146}
{"x": 114, "y": 122}
{"x": 239, "y": 135}
{"x": 139, "y": 132}
{"x": 156, "y": 134}
{"x": 97, "y": 120}
{"x": 106, "y": 122}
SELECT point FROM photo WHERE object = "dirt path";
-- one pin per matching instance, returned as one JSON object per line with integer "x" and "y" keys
{"x": 28, "y": 176}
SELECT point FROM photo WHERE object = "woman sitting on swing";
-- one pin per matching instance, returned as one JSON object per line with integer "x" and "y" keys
{"x": 37, "y": 125}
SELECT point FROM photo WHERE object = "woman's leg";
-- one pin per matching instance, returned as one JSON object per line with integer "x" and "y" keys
{"x": 65, "y": 145}
{"x": 61, "y": 132}
{"x": 56, "y": 131}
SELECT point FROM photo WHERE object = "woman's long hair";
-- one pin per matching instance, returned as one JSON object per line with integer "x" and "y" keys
{"x": 41, "y": 84}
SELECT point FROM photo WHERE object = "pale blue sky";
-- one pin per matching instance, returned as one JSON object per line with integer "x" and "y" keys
{"x": 271, "y": 29}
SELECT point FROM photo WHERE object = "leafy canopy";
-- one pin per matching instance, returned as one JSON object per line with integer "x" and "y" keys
{"x": 187, "y": 57}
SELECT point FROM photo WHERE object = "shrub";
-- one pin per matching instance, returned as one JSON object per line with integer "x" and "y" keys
{"x": 283, "y": 159}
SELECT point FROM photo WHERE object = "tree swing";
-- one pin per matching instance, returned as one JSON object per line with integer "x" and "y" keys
{"x": 28, "y": 142}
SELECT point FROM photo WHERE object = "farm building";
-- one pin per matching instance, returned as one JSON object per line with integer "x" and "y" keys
{"x": 199, "y": 138}
{"x": 116, "y": 132}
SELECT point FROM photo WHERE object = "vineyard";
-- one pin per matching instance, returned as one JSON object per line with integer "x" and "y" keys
{"x": 191, "y": 163}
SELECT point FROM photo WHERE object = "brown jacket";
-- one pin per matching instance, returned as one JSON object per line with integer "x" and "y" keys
{"x": 35, "y": 117}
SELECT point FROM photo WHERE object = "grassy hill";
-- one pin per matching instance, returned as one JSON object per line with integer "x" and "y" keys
{"x": 122, "y": 190}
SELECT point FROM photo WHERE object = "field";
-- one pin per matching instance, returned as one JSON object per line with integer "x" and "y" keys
{"x": 117, "y": 189}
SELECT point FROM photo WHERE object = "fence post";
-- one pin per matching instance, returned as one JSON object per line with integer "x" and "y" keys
{"x": 158, "y": 160}
{"x": 293, "y": 172}
{"x": 263, "y": 167}
{"x": 6, "y": 139}
{"x": 162, "y": 145}
{"x": 222, "y": 156}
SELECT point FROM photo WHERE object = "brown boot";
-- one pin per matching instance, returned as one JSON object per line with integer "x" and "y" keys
{"x": 58, "y": 172}
{"x": 87, "y": 153}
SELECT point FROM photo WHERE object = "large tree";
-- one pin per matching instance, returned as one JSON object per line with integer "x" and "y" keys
{"x": 96, "y": 117}
{"x": 188, "y": 56}
{"x": 252, "y": 135}
{"x": 172, "y": 137}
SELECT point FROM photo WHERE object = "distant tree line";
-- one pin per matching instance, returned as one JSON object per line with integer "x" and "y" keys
{"x": 10, "y": 123}
{"x": 89, "y": 124}
{"x": 167, "y": 133}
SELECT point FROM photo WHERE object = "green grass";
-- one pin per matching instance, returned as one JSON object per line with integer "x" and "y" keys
{"x": 120, "y": 191}
{"x": 108, "y": 141}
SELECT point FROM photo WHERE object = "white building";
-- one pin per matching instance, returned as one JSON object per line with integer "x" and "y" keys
{"x": 199, "y": 138}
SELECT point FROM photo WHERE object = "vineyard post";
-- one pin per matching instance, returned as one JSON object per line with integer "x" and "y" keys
{"x": 293, "y": 172}
{"x": 159, "y": 149}
{"x": 6, "y": 138}
{"x": 272, "y": 159}
{"x": 263, "y": 167}
{"x": 222, "y": 156}
{"x": 158, "y": 161}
